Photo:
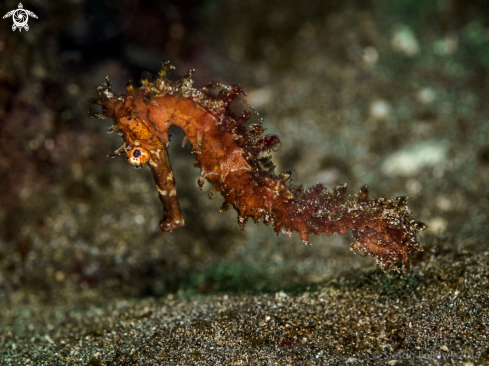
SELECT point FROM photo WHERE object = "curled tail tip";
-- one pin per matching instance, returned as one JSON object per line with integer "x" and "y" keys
{"x": 388, "y": 245}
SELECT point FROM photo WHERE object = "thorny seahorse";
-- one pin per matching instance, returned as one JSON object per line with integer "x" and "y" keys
{"x": 233, "y": 157}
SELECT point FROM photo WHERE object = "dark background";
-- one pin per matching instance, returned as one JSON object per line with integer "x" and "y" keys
{"x": 355, "y": 89}
{"x": 388, "y": 93}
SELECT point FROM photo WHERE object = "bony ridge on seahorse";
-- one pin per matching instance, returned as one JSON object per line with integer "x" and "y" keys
{"x": 232, "y": 157}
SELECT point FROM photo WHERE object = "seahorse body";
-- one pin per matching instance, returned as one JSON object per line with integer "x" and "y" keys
{"x": 230, "y": 155}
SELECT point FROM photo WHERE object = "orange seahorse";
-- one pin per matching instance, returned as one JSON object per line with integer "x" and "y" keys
{"x": 232, "y": 157}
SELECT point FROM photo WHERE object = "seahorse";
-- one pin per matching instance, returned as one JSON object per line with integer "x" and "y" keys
{"x": 234, "y": 156}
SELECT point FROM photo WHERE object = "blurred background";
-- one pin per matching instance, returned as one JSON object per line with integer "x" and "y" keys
{"x": 392, "y": 94}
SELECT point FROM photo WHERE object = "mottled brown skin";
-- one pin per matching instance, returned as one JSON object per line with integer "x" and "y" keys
{"x": 230, "y": 156}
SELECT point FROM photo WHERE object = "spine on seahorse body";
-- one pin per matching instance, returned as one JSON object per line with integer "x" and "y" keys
{"x": 233, "y": 157}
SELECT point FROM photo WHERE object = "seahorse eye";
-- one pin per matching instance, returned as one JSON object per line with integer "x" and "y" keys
{"x": 138, "y": 156}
